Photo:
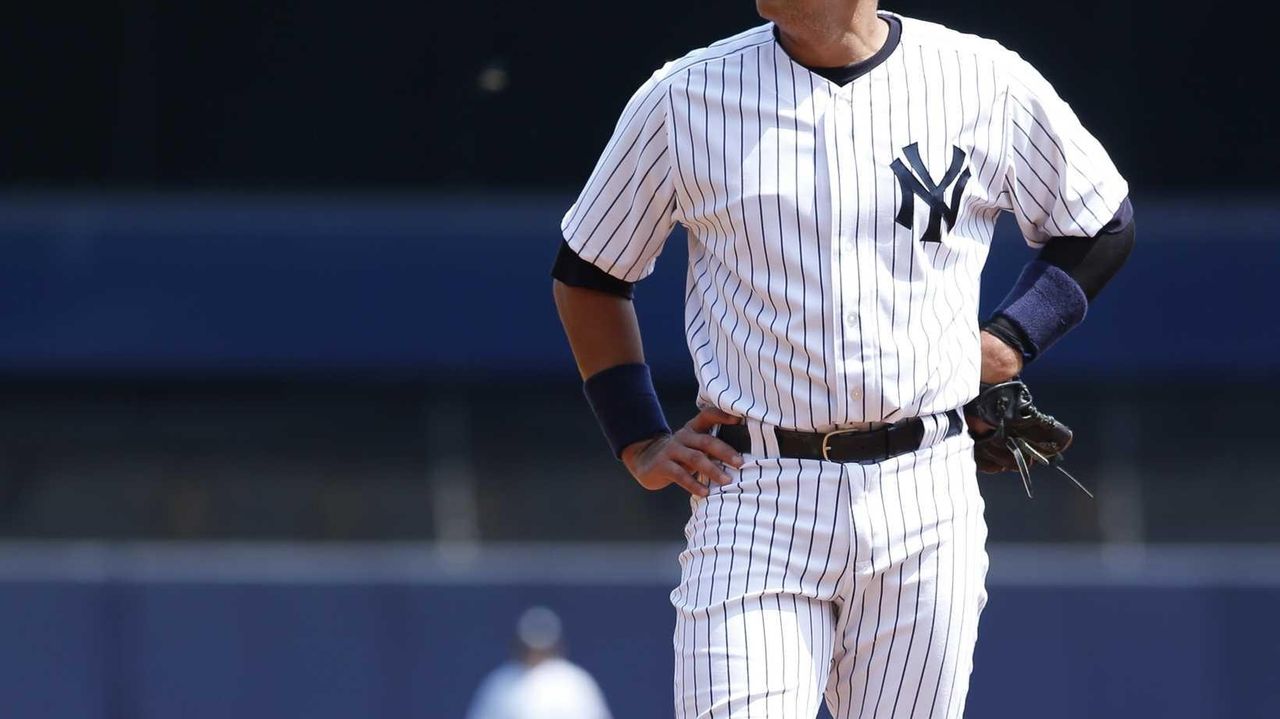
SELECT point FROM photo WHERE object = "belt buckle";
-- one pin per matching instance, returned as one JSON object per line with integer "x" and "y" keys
{"x": 826, "y": 440}
{"x": 861, "y": 428}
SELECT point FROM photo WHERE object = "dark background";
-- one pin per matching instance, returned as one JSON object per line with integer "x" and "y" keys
{"x": 252, "y": 246}
{"x": 341, "y": 95}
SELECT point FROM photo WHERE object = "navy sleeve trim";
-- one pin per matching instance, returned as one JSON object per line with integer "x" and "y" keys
{"x": 1123, "y": 218}
{"x": 574, "y": 271}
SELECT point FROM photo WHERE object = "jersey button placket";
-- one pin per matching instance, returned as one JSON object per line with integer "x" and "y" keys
{"x": 846, "y": 284}
{"x": 870, "y": 163}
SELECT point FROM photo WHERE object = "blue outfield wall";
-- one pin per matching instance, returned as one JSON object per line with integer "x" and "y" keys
{"x": 430, "y": 285}
{"x": 166, "y": 636}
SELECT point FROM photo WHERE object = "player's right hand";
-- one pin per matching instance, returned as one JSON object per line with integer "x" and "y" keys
{"x": 677, "y": 458}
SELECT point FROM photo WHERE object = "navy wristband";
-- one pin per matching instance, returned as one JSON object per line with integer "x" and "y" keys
{"x": 625, "y": 405}
{"x": 1045, "y": 304}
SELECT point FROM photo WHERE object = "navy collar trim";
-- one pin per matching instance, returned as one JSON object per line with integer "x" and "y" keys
{"x": 849, "y": 73}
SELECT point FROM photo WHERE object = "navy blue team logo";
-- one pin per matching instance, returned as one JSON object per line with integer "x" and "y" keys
{"x": 921, "y": 184}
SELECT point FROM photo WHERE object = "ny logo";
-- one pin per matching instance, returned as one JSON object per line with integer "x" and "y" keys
{"x": 922, "y": 184}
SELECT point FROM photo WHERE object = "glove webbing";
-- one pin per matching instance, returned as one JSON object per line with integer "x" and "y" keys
{"x": 1020, "y": 450}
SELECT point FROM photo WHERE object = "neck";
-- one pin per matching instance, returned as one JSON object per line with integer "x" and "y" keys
{"x": 837, "y": 35}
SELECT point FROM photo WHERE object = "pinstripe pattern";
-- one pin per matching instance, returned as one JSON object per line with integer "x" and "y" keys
{"x": 857, "y": 585}
{"x": 812, "y": 302}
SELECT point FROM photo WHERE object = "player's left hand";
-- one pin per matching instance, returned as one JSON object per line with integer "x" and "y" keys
{"x": 1000, "y": 363}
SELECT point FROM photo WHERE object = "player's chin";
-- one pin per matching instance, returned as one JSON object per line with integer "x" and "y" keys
{"x": 770, "y": 9}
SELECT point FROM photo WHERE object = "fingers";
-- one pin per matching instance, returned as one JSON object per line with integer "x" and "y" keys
{"x": 690, "y": 451}
{"x": 668, "y": 471}
{"x": 698, "y": 463}
{"x": 709, "y": 417}
{"x": 715, "y": 448}
{"x": 672, "y": 472}
{"x": 691, "y": 485}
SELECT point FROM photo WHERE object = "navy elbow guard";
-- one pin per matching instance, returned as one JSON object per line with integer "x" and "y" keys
{"x": 1044, "y": 305}
{"x": 626, "y": 405}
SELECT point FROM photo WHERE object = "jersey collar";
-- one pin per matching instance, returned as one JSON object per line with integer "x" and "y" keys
{"x": 842, "y": 76}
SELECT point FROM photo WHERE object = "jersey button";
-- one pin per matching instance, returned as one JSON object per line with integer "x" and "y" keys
{"x": 850, "y": 319}
{"x": 848, "y": 246}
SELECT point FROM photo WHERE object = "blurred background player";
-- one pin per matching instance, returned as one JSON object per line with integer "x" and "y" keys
{"x": 539, "y": 682}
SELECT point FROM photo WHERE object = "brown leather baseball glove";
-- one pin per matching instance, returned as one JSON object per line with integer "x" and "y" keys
{"x": 1020, "y": 436}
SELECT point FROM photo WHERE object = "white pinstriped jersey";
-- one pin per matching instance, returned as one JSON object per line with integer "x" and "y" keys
{"x": 837, "y": 233}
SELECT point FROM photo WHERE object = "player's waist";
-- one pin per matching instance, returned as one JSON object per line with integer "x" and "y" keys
{"x": 861, "y": 443}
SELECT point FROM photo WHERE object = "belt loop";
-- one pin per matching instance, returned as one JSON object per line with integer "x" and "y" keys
{"x": 757, "y": 437}
{"x": 764, "y": 440}
{"x": 935, "y": 430}
{"x": 944, "y": 426}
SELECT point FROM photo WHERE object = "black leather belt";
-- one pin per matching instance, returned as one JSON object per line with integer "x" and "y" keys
{"x": 846, "y": 445}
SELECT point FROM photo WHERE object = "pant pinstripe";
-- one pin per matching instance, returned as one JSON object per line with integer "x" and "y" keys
{"x": 860, "y": 585}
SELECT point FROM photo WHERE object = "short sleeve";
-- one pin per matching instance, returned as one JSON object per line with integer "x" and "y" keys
{"x": 1061, "y": 181}
{"x": 624, "y": 214}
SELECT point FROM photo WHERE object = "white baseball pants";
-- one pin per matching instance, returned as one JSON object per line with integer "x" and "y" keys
{"x": 859, "y": 584}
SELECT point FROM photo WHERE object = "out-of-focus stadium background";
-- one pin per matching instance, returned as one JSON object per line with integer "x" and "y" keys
{"x": 288, "y": 426}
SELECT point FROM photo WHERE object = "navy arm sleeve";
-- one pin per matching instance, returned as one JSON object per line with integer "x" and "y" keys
{"x": 1093, "y": 261}
{"x": 574, "y": 271}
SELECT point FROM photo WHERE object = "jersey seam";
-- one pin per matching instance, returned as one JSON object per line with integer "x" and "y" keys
{"x": 668, "y": 81}
{"x": 673, "y": 159}
{"x": 1005, "y": 141}
{"x": 686, "y": 69}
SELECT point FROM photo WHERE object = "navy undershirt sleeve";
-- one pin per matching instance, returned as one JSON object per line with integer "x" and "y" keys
{"x": 574, "y": 271}
{"x": 1093, "y": 261}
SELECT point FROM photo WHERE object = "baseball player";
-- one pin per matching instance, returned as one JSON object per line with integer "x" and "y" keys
{"x": 539, "y": 682}
{"x": 839, "y": 172}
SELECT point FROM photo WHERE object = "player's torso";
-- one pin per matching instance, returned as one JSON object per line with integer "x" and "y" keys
{"x": 837, "y": 233}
